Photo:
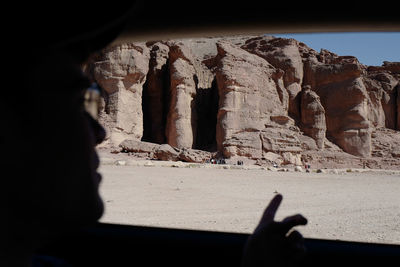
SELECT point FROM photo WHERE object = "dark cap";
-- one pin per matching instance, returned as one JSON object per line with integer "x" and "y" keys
{"x": 66, "y": 23}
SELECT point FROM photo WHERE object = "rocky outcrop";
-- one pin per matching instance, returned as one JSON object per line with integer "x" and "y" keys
{"x": 122, "y": 71}
{"x": 195, "y": 155}
{"x": 181, "y": 119}
{"x": 398, "y": 107}
{"x": 356, "y": 100}
{"x": 312, "y": 113}
{"x": 164, "y": 152}
{"x": 143, "y": 149}
{"x": 187, "y": 77}
{"x": 345, "y": 100}
{"x": 248, "y": 97}
{"x": 179, "y": 98}
{"x": 257, "y": 97}
{"x": 382, "y": 84}
{"x": 333, "y": 79}
{"x": 283, "y": 54}
{"x": 386, "y": 143}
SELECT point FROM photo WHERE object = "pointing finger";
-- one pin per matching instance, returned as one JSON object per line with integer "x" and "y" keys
{"x": 270, "y": 211}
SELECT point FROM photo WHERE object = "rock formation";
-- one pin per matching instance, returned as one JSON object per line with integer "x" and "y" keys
{"x": 164, "y": 151}
{"x": 181, "y": 118}
{"x": 398, "y": 107}
{"x": 258, "y": 97}
{"x": 121, "y": 72}
{"x": 338, "y": 83}
{"x": 312, "y": 114}
{"x": 283, "y": 54}
{"x": 248, "y": 98}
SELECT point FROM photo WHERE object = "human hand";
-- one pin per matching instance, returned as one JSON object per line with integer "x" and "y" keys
{"x": 272, "y": 243}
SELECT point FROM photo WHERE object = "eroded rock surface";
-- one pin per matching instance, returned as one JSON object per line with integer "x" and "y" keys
{"x": 121, "y": 71}
{"x": 248, "y": 97}
{"x": 312, "y": 113}
{"x": 258, "y": 97}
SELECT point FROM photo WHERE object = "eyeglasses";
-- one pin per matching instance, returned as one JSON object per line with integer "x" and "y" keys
{"x": 92, "y": 100}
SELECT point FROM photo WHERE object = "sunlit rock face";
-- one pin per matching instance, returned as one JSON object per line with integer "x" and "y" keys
{"x": 247, "y": 96}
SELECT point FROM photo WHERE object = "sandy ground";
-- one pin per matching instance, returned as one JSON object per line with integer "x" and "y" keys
{"x": 347, "y": 206}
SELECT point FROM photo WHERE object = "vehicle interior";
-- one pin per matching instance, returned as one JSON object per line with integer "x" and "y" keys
{"x": 125, "y": 245}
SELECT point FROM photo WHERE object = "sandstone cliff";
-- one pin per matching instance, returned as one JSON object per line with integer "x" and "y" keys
{"x": 259, "y": 97}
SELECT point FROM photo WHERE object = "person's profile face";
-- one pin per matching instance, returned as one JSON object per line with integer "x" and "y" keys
{"x": 68, "y": 182}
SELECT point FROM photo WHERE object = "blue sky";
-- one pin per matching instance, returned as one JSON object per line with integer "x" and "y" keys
{"x": 370, "y": 48}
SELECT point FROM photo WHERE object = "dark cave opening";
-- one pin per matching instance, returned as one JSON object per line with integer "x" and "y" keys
{"x": 155, "y": 104}
{"x": 206, "y": 104}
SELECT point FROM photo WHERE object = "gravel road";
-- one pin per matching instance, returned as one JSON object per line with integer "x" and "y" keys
{"x": 350, "y": 206}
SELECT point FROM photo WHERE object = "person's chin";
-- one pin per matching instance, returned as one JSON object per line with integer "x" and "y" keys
{"x": 99, "y": 200}
{"x": 99, "y": 208}
{"x": 94, "y": 208}
{"x": 93, "y": 215}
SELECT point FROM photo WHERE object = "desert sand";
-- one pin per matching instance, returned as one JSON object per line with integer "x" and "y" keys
{"x": 348, "y": 204}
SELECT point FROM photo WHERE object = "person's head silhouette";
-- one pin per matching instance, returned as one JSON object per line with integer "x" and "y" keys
{"x": 48, "y": 142}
